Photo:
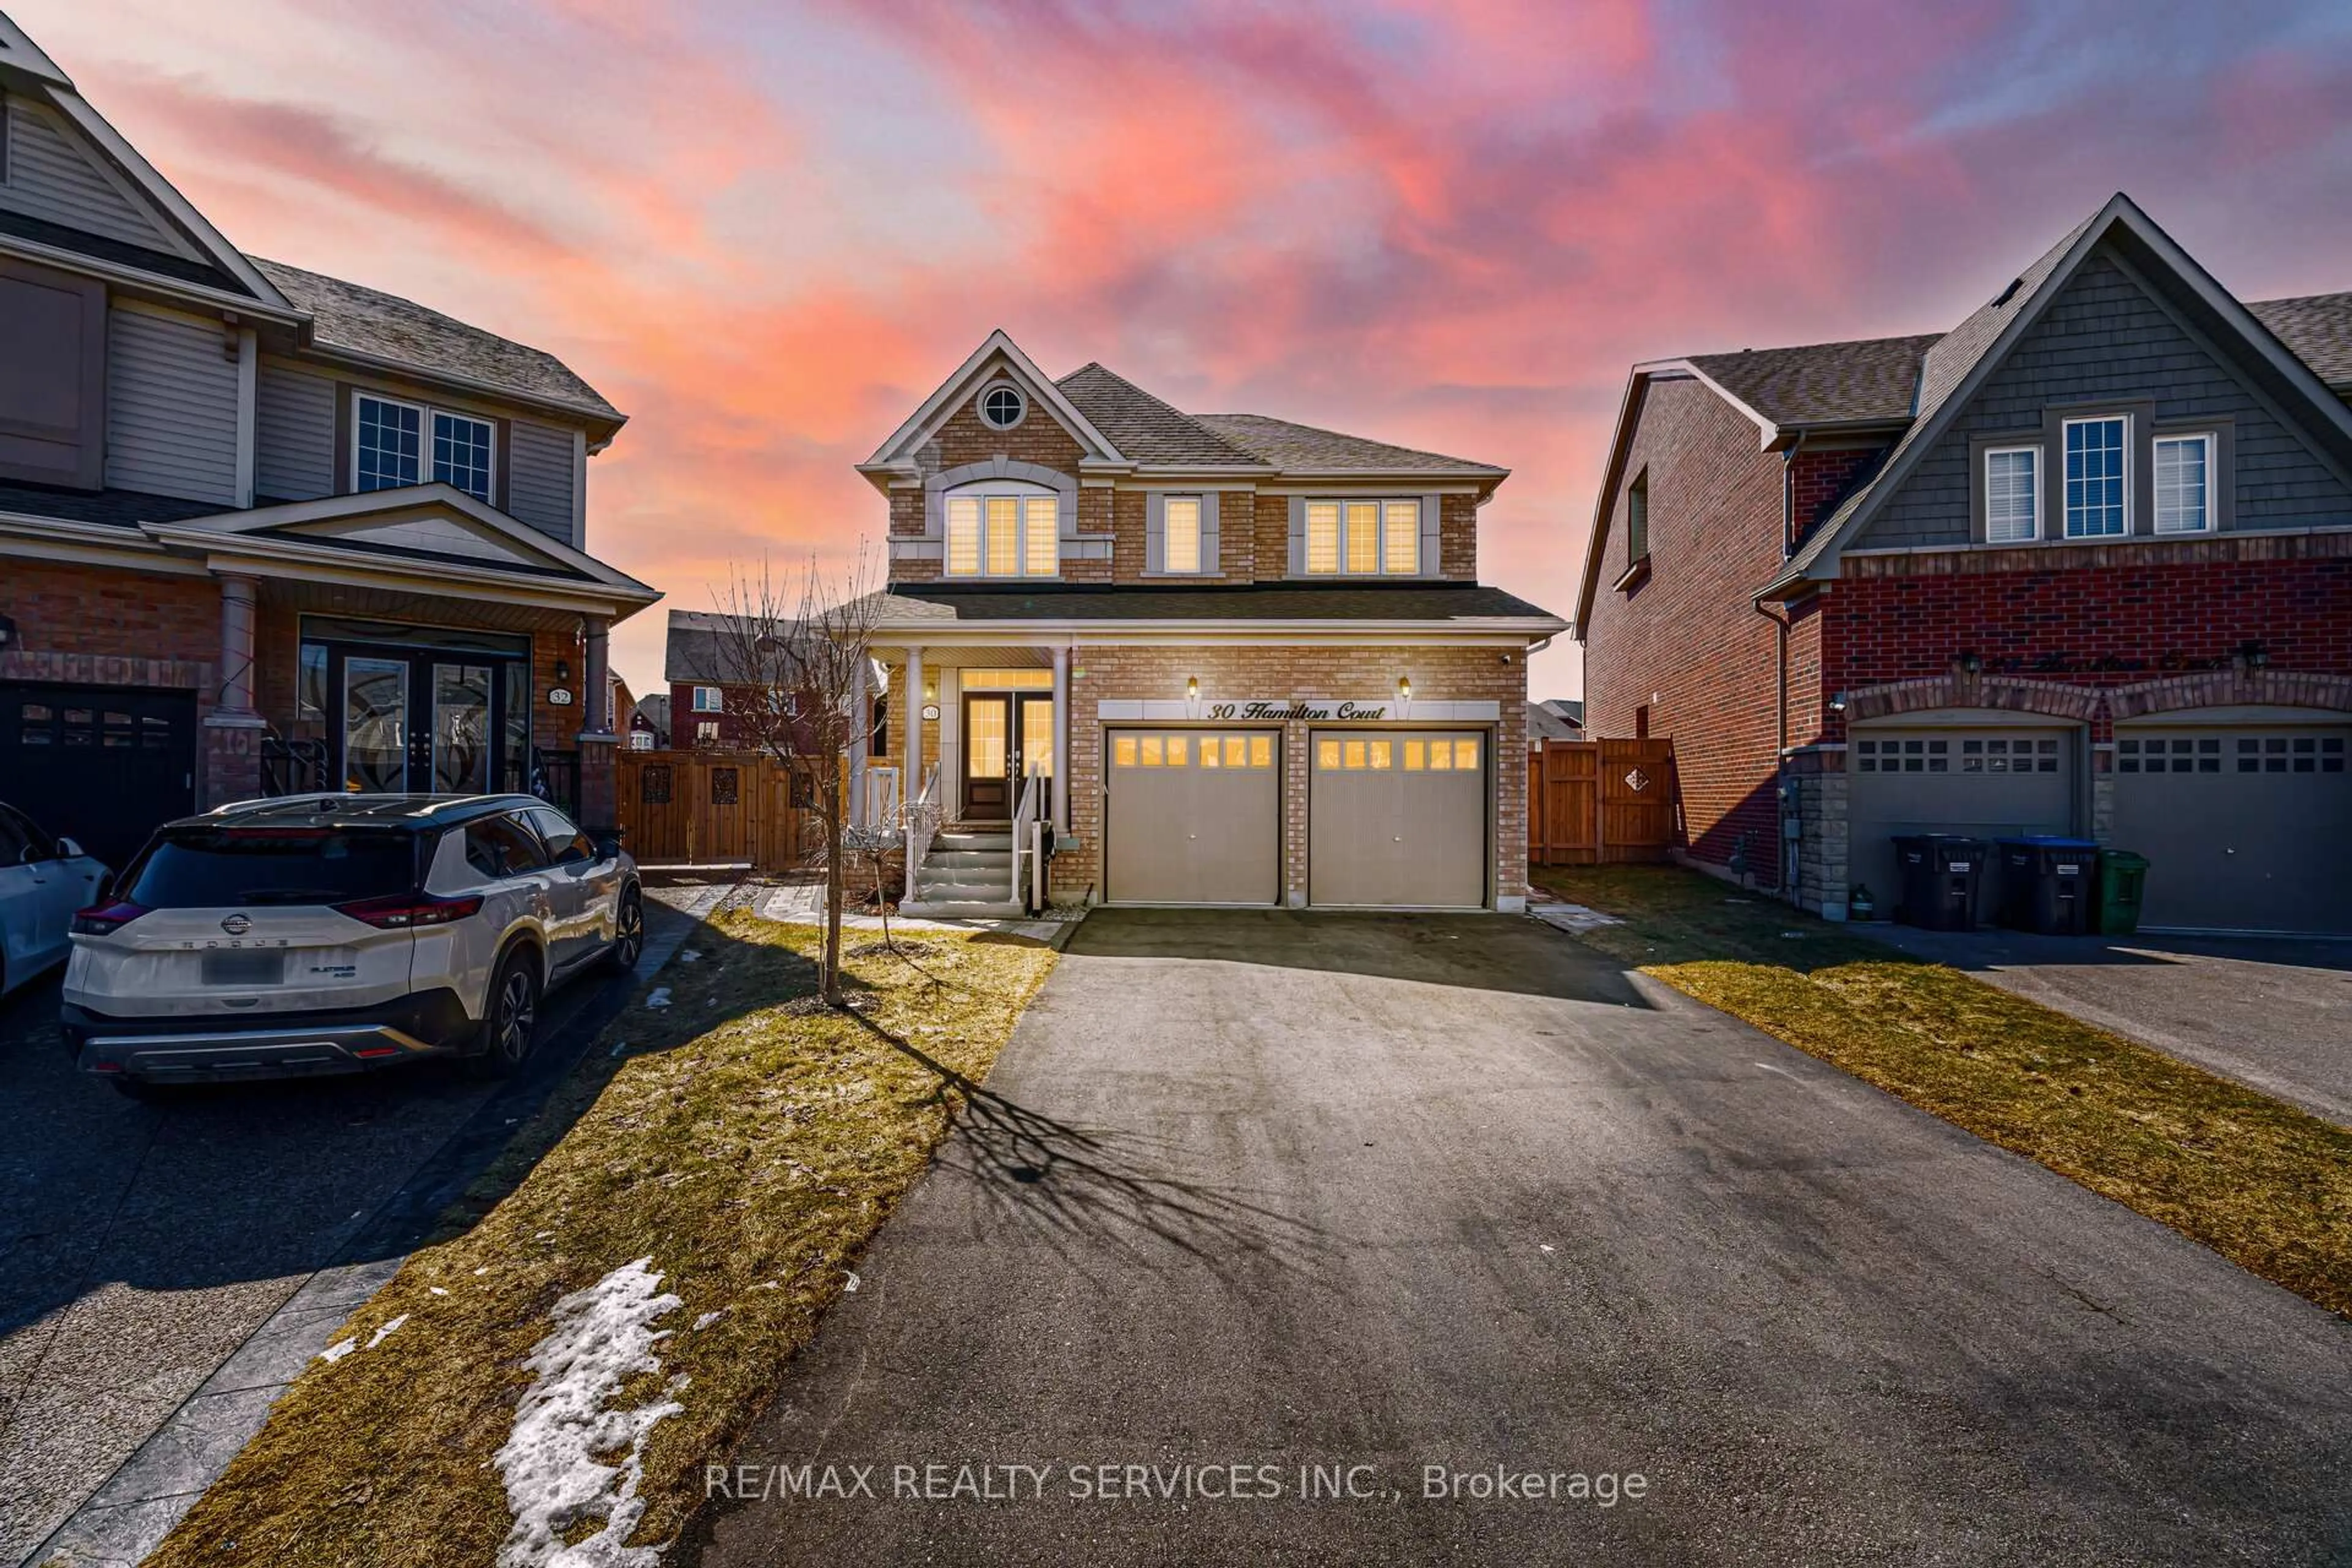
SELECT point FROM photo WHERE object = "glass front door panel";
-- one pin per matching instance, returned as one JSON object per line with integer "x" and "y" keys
{"x": 1037, "y": 736}
{"x": 375, "y": 724}
{"x": 984, "y": 746}
{"x": 461, "y": 728}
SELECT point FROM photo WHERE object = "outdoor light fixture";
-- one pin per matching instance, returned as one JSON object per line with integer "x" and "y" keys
{"x": 1837, "y": 703}
{"x": 1404, "y": 688}
{"x": 562, "y": 669}
{"x": 1191, "y": 689}
{"x": 1971, "y": 665}
{"x": 2254, "y": 655}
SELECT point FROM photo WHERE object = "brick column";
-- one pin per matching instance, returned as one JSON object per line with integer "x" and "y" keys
{"x": 599, "y": 801}
{"x": 233, "y": 731}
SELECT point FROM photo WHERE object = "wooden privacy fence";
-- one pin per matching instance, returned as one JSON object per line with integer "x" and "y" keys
{"x": 1600, "y": 802}
{"x": 714, "y": 808}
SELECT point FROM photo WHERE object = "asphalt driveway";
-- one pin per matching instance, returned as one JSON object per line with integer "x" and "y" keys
{"x": 2274, "y": 1013}
{"x": 142, "y": 1245}
{"x": 1281, "y": 1189}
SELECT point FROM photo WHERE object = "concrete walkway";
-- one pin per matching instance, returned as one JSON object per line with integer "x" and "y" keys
{"x": 2275, "y": 1013}
{"x": 1366, "y": 1195}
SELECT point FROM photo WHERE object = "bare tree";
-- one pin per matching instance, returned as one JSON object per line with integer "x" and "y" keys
{"x": 795, "y": 658}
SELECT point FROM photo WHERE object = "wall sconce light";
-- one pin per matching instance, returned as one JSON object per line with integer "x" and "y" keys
{"x": 2255, "y": 656}
{"x": 1191, "y": 689}
{"x": 1837, "y": 703}
{"x": 1404, "y": 688}
{"x": 1970, "y": 664}
{"x": 562, "y": 669}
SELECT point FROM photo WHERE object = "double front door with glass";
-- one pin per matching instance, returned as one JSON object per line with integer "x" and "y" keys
{"x": 1007, "y": 736}
{"x": 429, "y": 722}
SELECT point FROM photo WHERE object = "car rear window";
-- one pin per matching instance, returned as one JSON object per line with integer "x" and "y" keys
{"x": 209, "y": 867}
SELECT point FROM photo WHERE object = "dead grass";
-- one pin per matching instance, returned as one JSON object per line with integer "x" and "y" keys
{"x": 749, "y": 1146}
{"x": 2265, "y": 1185}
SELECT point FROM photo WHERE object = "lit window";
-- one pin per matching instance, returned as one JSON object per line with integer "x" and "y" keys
{"x": 1322, "y": 536}
{"x": 1178, "y": 750}
{"x": 2012, "y": 495}
{"x": 2097, "y": 477}
{"x": 1327, "y": 754}
{"x": 1261, "y": 750}
{"x": 1180, "y": 534}
{"x": 1382, "y": 755}
{"x": 2184, "y": 484}
{"x": 1210, "y": 755}
{"x": 1004, "y": 551}
{"x": 1441, "y": 757}
{"x": 1400, "y": 538}
{"x": 1466, "y": 753}
{"x": 1150, "y": 750}
{"x": 1040, "y": 518}
{"x": 1236, "y": 750}
{"x": 1363, "y": 538}
{"x": 1122, "y": 752}
{"x": 1002, "y": 535}
{"x": 1354, "y": 752}
{"x": 710, "y": 700}
{"x": 392, "y": 450}
{"x": 1416, "y": 756}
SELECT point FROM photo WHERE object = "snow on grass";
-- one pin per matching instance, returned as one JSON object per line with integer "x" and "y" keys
{"x": 603, "y": 1336}
{"x": 384, "y": 1333}
{"x": 338, "y": 1351}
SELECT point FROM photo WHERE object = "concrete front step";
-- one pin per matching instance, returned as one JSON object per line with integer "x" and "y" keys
{"x": 960, "y": 839}
{"x": 963, "y": 910}
{"x": 975, "y": 890}
{"x": 969, "y": 860}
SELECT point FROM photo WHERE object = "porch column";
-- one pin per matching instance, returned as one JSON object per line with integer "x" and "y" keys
{"x": 596, "y": 701}
{"x": 911, "y": 780}
{"x": 233, "y": 730}
{"x": 1061, "y": 737}
{"x": 861, "y": 731}
{"x": 599, "y": 801}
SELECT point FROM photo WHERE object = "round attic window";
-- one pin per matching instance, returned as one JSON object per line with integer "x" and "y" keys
{"x": 1002, "y": 406}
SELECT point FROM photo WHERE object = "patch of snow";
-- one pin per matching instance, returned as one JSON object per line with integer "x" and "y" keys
{"x": 1572, "y": 918}
{"x": 851, "y": 1283}
{"x": 437, "y": 1290}
{"x": 603, "y": 1336}
{"x": 707, "y": 1318}
{"x": 660, "y": 997}
{"x": 1545, "y": 1245}
{"x": 690, "y": 955}
{"x": 384, "y": 1333}
{"x": 338, "y": 1351}
{"x": 485, "y": 1268}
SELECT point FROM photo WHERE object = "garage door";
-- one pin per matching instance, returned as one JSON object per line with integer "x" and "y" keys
{"x": 1194, "y": 816}
{"x": 98, "y": 765}
{"x": 1989, "y": 784}
{"x": 2245, "y": 830}
{"x": 1398, "y": 820}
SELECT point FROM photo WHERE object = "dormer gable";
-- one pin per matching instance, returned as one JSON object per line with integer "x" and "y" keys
{"x": 996, "y": 399}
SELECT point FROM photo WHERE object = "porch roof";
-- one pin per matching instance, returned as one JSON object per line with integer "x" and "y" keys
{"x": 1470, "y": 605}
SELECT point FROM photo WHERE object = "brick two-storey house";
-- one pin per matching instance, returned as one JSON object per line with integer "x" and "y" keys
{"x": 263, "y": 530}
{"x": 2082, "y": 565}
{"x": 1240, "y": 661}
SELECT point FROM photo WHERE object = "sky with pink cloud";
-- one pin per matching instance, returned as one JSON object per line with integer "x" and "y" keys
{"x": 768, "y": 231}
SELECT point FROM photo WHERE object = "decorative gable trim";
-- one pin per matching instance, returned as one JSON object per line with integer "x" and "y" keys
{"x": 997, "y": 358}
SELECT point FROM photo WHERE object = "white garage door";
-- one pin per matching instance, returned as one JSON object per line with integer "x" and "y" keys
{"x": 2245, "y": 829}
{"x": 1398, "y": 820}
{"x": 1193, "y": 817}
{"x": 1985, "y": 783}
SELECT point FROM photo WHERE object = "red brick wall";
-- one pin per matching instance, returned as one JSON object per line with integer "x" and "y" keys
{"x": 1689, "y": 634}
{"x": 62, "y": 608}
{"x": 1819, "y": 480}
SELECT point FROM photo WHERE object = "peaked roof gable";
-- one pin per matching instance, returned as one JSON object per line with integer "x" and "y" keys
{"x": 1959, "y": 363}
{"x": 997, "y": 356}
{"x": 1147, "y": 429}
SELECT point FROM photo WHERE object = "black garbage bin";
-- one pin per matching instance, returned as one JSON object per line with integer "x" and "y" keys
{"x": 2048, "y": 884}
{"x": 1940, "y": 875}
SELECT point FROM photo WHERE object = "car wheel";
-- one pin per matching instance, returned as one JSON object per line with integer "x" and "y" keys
{"x": 510, "y": 1020}
{"x": 628, "y": 934}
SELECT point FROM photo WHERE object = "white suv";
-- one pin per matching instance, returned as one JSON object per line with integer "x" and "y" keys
{"x": 336, "y": 933}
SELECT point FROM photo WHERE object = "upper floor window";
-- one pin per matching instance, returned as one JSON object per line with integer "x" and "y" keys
{"x": 408, "y": 444}
{"x": 1637, "y": 517}
{"x": 710, "y": 700}
{"x": 1002, "y": 406}
{"x": 2012, "y": 494}
{"x": 2098, "y": 477}
{"x": 992, "y": 533}
{"x": 2184, "y": 484}
{"x": 1180, "y": 539}
{"x": 1363, "y": 538}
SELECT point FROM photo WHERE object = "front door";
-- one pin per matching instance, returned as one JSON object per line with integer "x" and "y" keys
{"x": 1007, "y": 736}
{"x": 428, "y": 723}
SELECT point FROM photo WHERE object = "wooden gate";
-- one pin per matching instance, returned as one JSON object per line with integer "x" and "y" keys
{"x": 710, "y": 808}
{"x": 1598, "y": 803}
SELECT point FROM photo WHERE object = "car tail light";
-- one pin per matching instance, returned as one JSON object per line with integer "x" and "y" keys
{"x": 105, "y": 920}
{"x": 406, "y": 911}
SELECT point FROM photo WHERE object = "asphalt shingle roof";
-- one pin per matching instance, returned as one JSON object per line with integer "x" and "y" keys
{"x": 1823, "y": 384}
{"x": 1143, "y": 427}
{"x": 2317, "y": 328}
{"x": 693, "y": 647}
{"x": 1435, "y": 602}
{"x": 123, "y": 508}
{"x": 384, "y": 326}
{"x": 1303, "y": 448}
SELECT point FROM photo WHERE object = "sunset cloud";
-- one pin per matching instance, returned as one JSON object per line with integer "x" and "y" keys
{"x": 767, "y": 232}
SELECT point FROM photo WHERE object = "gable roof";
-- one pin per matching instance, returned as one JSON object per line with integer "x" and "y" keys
{"x": 1868, "y": 381}
{"x": 1963, "y": 357}
{"x": 368, "y": 324}
{"x": 1305, "y": 449}
{"x": 1146, "y": 429}
{"x": 2318, "y": 328}
{"x": 997, "y": 355}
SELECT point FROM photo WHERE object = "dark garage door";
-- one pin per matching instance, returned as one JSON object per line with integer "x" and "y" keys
{"x": 2245, "y": 829}
{"x": 98, "y": 764}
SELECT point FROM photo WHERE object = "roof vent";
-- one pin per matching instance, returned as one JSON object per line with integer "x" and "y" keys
{"x": 2006, "y": 295}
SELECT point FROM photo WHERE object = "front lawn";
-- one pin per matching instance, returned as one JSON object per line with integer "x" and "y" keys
{"x": 744, "y": 1141}
{"x": 2263, "y": 1184}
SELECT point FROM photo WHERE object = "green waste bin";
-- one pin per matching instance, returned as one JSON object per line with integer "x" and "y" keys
{"x": 2123, "y": 877}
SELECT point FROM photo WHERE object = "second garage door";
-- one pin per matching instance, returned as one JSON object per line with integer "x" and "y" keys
{"x": 1194, "y": 816}
{"x": 1986, "y": 783}
{"x": 2245, "y": 830}
{"x": 1398, "y": 820}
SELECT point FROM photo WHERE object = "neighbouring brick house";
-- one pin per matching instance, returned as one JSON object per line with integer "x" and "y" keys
{"x": 2082, "y": 564}
{"x": 262, "y": 529}
{"x": 1234, "y": 660}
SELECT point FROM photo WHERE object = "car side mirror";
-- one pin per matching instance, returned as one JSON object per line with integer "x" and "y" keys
{"x": 69, "y": 850}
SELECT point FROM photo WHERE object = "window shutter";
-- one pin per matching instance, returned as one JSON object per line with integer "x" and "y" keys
{"x": 1210, "y": 562}
{"x": 1433, "y": 564}
{"x": 1155, "y": 531}
{"x": 1298, "y": 536}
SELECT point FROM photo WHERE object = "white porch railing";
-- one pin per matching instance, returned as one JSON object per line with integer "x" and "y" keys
{"x": 922, "y": 815}
{"x": 878, "y": 797}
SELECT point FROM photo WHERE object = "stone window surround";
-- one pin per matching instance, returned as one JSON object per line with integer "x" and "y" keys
{"x": 931, "y": 543}
{"x": 2144, "y": 429}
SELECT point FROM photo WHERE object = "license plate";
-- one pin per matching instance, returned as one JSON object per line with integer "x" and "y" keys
{"x": 1956, "y": 866}
{"x": 244, "y": 968}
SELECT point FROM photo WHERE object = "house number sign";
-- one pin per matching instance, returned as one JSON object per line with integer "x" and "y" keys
{"x": 558, "y": 697}
{"x": 1312, "y": 711}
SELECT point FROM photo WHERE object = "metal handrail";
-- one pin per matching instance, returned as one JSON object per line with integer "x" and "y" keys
{"x": 1025, "y": 838}
{"x": 921, "y": 816}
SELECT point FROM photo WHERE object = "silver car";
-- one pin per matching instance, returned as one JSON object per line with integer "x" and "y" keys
{"x": 339, "y": 933}
{"x": 42, "y": 880}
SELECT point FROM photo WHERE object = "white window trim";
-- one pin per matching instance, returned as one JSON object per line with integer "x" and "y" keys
{"x": 2033, "y": 449}
{"x": 979, "y": 405}
{"x": 424, "y": 414}
{"x": 1202, "y": 566}
{"x": 717, "y": 703}
{"x": 1380, "y": 505}
{"x": 1022, "y": 493}
{"x": 2065, "y": 513}
{"x": 2213, "y": 481}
